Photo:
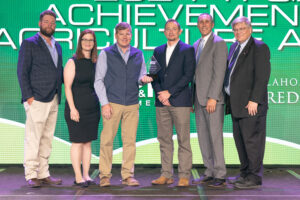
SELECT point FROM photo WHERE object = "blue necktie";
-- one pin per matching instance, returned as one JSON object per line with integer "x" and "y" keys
{"x": 199, "y": 50}
{"x": 230, "y": 66}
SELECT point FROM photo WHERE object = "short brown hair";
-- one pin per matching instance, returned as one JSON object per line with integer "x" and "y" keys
{"x": 47, "y": 12}
{"x": 79, "y": 54}
{"x": 122, "y": 26}
{"x": 174, "y": 21}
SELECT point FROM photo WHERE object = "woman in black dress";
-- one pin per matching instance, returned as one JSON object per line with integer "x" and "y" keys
{"x": 82, "y": 111}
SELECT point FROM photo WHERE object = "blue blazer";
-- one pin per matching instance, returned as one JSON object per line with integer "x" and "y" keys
{"x": 177, "y": 76}
{"x": 38, "y": 76}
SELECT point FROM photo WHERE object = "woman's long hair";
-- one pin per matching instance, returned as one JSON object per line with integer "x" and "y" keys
{"x": 79, "y": 54}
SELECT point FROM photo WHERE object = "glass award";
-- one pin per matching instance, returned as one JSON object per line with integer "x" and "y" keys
{"x": 153, "y": 67}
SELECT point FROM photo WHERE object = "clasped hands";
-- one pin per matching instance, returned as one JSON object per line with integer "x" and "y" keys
{"x": 163, "y": 97}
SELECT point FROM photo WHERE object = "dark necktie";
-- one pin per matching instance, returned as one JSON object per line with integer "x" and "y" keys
{"x": 230, "y": 66}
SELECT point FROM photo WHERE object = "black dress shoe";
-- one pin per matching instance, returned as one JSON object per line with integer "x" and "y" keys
{"x": 204, "y": 179}
{"x": 233, "y": 180}
{"x": 81, "y": 184}
{"x": 91, "y": 182}
{"x": 247, "y": 184}
{"x": 218, "y": 182}
{"x": 34, "y": 183}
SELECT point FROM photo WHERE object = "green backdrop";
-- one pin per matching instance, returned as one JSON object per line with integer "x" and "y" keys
{"x": 276, "y": 22}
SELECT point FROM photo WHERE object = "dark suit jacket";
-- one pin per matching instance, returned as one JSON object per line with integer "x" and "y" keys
{"x": 249, "y": 79}
{"x": 38, "y": 76}
{"x": 176, "y": 77}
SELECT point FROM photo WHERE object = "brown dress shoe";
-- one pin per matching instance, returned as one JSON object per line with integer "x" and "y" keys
{"x": 162, "y": 181}
{"x": 104, "y": 182}
{"x": 34, "y": 183}
{"x": 130, "y": 181}
{"x": 183, "y": 182}
{"x": 51, "y": 181}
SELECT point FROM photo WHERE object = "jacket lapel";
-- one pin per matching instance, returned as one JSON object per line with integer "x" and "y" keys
{"x": 242, "y": 56}
{"x": 46, "y": 50}
{"x": 163, "y": 57}
{"x": 59, "y": 53}
{"x": 206, "y": 48}
{"x": 174, "y": 54}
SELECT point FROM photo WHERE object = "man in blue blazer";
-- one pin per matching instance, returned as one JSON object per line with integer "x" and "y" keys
{"x": 40, "y": 79}
{"x": 173, "y": 103}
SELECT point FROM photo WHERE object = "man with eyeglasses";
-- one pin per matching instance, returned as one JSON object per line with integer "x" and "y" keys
{"x": 119, "y": 71}
{"x": 245, "y": 85}
{"x": 173, "y": 103}
{"x": 40, "y": 79}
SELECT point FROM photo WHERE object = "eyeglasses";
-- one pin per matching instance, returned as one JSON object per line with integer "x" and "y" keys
{"x": 47, "y": 22}
{"x": 86, "y": 40}
{"x": 240, "y": 29}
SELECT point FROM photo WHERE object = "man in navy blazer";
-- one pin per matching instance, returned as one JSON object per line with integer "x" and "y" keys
{"x": 40, "y": 79}
{"x": 173, "y": 103}
{"x": 245, "y": 84}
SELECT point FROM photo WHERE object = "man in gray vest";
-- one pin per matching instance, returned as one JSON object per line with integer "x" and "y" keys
{"x": 120, "y": 69}
{"x": 211, "y": 57}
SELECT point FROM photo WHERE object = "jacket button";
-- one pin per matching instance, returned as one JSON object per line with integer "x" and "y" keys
{"x": 166, "y": 75}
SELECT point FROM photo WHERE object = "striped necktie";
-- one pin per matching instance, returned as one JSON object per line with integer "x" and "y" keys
{"x": 230, "y": 66}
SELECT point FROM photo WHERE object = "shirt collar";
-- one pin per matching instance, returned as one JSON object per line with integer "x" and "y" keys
{"x": 121, "y": 51}
{"x": 206, "y": 37}
{"x": 173, "y": 46}
{"x": 52, "y": 40}
{"x": 244, "y": 43}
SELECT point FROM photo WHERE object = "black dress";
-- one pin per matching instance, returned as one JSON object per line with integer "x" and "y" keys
{"x": 86, "y": 102}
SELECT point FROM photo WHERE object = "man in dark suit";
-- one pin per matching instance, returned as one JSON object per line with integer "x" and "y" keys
{"x": 173, "y": 103}
{"x": 211, "y": 56}
{"x": 245, "y": 85}
{"x": 40, "y": 79}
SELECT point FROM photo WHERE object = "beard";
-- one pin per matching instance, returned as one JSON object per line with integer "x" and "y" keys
{"x": 172, "y": 39}
{"x": 46, "y": 33}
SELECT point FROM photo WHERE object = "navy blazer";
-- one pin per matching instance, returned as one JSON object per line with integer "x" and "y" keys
{"x": 38, "y": 76}
{"x": 177, "y": 76}
{"x": 249, "y": 79}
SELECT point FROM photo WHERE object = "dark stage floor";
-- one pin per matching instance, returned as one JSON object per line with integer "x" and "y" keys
{"x": 278, "y": 183}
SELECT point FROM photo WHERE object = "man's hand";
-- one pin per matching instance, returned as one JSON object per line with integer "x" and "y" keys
{"x": 252, "y": 108}
{"x": 146, "y": 79}
{"x": 30, "y": 100}
{"x": 211, "y": 105}
{"x": 106, "y": 111}
{"x": 74, "y": 115}
{"x": 166, "y": 103}
{"x": 163, "y": 96}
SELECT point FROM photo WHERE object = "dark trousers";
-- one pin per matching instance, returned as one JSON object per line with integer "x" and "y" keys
{"x": 250, "y": 137}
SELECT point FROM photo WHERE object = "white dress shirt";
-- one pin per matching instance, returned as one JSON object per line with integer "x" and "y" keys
{"x": 169, "y": 52}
